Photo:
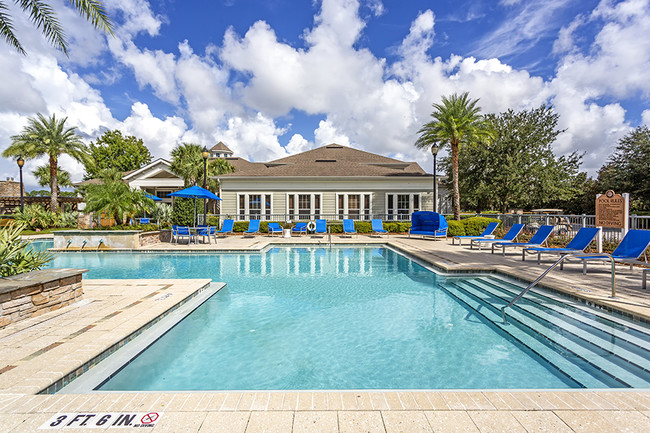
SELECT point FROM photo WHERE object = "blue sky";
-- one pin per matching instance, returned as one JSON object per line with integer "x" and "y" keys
{"x": 275, "y": 77}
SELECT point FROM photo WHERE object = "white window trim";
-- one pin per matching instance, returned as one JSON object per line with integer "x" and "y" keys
{"x": 345, "y": 203}
{"x": 312, "y": 210}
{"x": 247, "y": 201}
{"x": 395, "y": 194}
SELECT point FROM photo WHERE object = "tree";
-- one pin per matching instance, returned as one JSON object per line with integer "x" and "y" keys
{"x": 627, "y": 169}
{"x": 49, "y": 137}
{"x": 187, "y": 162}
{"x": 42, "y": 175}
{"x": 43, "y": 16}
{"x": 114, "y": 151}
{"x": 518, "y": 169}
{"x": 114, "y": 197}
{"x": 456, "y": 122}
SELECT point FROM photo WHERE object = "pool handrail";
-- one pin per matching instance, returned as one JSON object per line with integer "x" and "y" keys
{"x": 550, "y": 268}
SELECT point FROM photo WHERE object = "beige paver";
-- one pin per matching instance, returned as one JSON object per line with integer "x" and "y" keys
{"x": 541, "y": 422}
{"x": 315, "y": 422}
{"x": 451, "y": 422}
{"x": 180, "y": 422}
{"x": 586, "y": 421}
{"x": 270, "y": 422}
{"x": 361, "y": 422}
{"x": 225, "y": 422}
{"x": 496, "y": 422}
{"x": 405, "y": 422}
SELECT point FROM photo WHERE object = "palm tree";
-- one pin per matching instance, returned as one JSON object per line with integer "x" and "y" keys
{"x": 43, "y": 16}
{"x": 187, "y": 162}
{"x": 42, "y": 175}
{"x": 49, "y": 137}
{"x": 114, "y": 197}
{"x": 456, "y": 121}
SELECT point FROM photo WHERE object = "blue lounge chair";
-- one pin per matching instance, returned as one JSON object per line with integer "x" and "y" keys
{"x": 300, "y": 228}
{"x": 487, "y": 232}
{"x": 511, "y": 236}
{"x": 538, "y": 239}
{"x": 321, "y": 227}
{"x": 144, "y": 220}
{"x": 628, "y": 251}
{"x": 580, "y": 241}
{"x": 427, "y": 223}
{"x": 208, "y": 231}
{"x": 253, "y": 227}
{"x": 174, "y": 233}
{"x": 227, "y": 227}
{"x": 378, "y": 227}
{"x": 274, "y": 228}
{"x": 348, "y": 227}
{"x": 185, "y": 232}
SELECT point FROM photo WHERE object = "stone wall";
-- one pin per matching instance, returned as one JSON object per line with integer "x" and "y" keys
{"x": 10, "y": 188}
{"x": 150, "y": 238}
{"x": 34, "y": 293}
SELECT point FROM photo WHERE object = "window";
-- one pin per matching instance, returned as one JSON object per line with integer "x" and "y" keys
{"x": 303, "y": 206}
{"x": 254, "y": 206}
{"x": 355, "y": 206}
{"x": 401, "y": 206}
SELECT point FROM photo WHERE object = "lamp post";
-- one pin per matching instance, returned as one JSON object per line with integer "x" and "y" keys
{"x": 435, "y": 147}
{"x": 205, "y": 153}
{"x": 20, "y": 161}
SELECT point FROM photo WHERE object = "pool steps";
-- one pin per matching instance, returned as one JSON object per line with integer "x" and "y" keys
{"x": 568, "y": 333}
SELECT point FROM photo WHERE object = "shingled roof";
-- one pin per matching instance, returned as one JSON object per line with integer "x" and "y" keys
{"x": 330, "y": 160}
{"x": 220, "y": 147}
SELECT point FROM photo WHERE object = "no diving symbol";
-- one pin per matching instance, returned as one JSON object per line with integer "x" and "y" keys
{"x": 149, "y": 418}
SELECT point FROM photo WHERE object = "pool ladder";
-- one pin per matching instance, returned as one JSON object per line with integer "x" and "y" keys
{"x": 550, "y": 268}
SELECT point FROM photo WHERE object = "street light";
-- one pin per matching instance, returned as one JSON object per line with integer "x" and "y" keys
{"x": 205, "y": 153}
{"x": 20, "y": 161}
{"x": 435, "y": 147}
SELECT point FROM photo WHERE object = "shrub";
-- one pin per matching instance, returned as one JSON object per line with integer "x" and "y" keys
{"x": 35, "y": 217}
{"x": 213, "y": 220}
{"x": 456, "y": 228}
{"x": 240, "y": 226}
{"x": 66, "y": 219}
{"x": 15, "y": 256}
{"x": 183, "y": 211}
{"x": 163, "y": 213}
{"x": 474, "y": 226}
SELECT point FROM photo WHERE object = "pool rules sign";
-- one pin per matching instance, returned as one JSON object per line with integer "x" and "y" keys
{"x": 122, "y": 420}
{"x": 612, "y": 210}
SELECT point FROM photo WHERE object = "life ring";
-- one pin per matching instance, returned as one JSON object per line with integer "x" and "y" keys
{"x": 311, "y": 226}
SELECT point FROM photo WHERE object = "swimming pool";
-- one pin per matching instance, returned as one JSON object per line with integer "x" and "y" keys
{"x": 367, "y": 318}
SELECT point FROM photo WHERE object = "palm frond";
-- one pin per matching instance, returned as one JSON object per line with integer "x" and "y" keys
{"x": 94, "y": 11}
{"x": 44, "y": 17}
{"x": 7, "y": 29}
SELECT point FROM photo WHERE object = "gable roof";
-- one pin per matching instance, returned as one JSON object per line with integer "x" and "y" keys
{"x": 161, "y": 163}
{"x": 221, "y": 148}
{"x": 330, "y": 160}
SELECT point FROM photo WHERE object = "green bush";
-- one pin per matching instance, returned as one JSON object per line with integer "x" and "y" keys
{"x": 183, "y": 211}
{"x": 240, "y": 226}
{"x": 476, "y": 225}
{"x": 456, "y": 228}
{"x": 213, "y": 220}
{"x": 397, "y": 227}
{"x": 15, "y": 256}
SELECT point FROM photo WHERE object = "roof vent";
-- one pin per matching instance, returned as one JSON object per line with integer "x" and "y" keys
{"x": 334, "y": 146}
{"x": 325, "y": 160}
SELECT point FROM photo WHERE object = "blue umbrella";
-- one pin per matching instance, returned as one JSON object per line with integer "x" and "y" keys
{"x": 152, "y": 197}
{"x": 194, "y": 192}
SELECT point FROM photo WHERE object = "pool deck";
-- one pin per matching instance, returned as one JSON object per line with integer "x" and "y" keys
{"x": 38, "y": 352}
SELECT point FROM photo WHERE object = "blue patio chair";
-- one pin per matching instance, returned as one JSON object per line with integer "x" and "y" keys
{"x": 321, "y": 227}
{"x": 174, "y": 233}
{"x": 580, "y": 241}
{"x": 538, "y": 240}
{"x": 274, "y": 228}
{"x": 488, "y": 231}
{"x": 144, "y": 221}
{"x": 300, "y": 228}
{"x": 427, "y": 223}
{"x": 348, "y": 227}
{"x": 185, "y": 232}
{"x": 633, "y": 246}
{"x": 378, "y": 227}
{"x": 227, "y": 227}
{"x": 207, "y": 232}
{"x": 253, "y": 227}
{"x": 511, "y": 236}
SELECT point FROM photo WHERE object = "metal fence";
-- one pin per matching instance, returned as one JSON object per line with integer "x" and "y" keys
{"x": 402, "y": 217}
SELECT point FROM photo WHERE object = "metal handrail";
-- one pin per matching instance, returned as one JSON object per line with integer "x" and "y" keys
{"x": 550, "y": 268}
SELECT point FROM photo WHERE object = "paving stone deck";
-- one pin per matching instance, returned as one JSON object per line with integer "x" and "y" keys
{"x": 37, "y": 352}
